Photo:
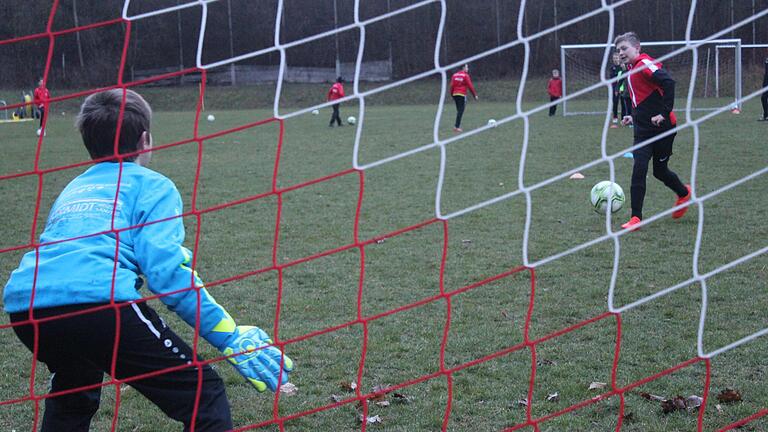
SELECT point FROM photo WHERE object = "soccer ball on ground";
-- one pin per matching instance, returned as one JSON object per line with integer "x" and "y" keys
{"x": 351, "y": 120}
{"x": 315, "y": 112}
{"x": 211, "y": 117}
{"x": 492, "y": 123}
{"x": 605, "y": 192}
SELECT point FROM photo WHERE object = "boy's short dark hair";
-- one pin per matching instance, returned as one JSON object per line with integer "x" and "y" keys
{"x": 340, "y": 79}
{"x": 631, "y": 37}
{"x": 97, "y": 122}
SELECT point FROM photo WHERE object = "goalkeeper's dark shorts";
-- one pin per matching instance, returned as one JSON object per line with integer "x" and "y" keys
{"x": 78, "y": 351}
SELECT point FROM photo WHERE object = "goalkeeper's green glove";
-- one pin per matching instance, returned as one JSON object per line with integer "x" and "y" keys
{"x": 247, "y": 348}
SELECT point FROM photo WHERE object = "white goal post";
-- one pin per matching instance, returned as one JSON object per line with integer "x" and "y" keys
{"x": 586, "y": 84}
{"x": 728, "y": 48}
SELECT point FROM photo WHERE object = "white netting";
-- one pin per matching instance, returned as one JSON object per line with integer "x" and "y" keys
{"x": 707, "y": 79}
{"x": 703, "y": 81}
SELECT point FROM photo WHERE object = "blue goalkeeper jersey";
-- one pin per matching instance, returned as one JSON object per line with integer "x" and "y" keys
{"x": 90, "y": 256}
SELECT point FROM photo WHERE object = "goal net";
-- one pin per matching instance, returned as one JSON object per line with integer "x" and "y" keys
{"x": 423, "y": 274}
{"x": 716, "y": 74}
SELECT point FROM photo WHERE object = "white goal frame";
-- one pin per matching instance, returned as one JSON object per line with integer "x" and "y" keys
{"x": 685, "y": 45}
{"x": 738, "y": 53}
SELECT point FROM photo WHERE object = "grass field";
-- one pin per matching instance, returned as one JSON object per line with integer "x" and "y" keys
{"x": 399, "y": 270}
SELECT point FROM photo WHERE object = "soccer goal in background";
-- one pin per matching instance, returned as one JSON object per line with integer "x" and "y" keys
{"x": 752, "y": 58}
{"x": 717, "y": 76}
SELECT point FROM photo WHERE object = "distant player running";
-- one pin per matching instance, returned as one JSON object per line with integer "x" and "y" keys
{"x": 460, "y": 82}
{"x": 336, "y": 92}
{"x": 41, "y": 94}
{"x": 652, "y": 91}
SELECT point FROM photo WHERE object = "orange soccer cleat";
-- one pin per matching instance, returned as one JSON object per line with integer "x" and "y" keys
{"x": 632, "y": 224}
{"x": 677, "y": 214}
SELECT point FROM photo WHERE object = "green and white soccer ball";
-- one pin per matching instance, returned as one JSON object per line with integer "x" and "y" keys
{"x": 351, "y": 120}
{"x": 605, "y": 192}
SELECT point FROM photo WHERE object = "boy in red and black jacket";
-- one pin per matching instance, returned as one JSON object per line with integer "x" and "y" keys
{"x": 652, "y": 91}
{"x": 40, "y": 95}
{"x": 555, "y": 90}
{"x": 460, "y": 83}
{"x": 336, "y": 92}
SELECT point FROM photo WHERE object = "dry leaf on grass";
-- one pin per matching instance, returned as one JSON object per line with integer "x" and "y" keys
{"x": 729, "y": 395}
{"x": 378, "y": 397}
{"x": 380, "y": 388}
{"x": 369, "y": 420}
{"x": 545, "y": 362}
{"x": 348, "y": 386}
{"x": 629, "y": 417}
{"x": 693, "y": 401}
{"x": 336, "y": 398}
{"x": 379, "y": 392}
{"x": 719, "y": 408}
{"x": 652, "y": 397}
{"x": 553, "y": 397}
{"x": 383, "y": 403}
{"x": 677, "y": 403}
{"x": 597, "y": 385}
{"x": 288, "y": 389}
{"x": 522, "y": 402}
{"x": 401, "y": 398}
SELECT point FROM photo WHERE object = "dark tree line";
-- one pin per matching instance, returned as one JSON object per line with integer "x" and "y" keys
{"x": 92, "y": 56}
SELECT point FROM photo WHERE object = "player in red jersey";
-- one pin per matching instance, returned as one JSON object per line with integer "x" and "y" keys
{"x": 336, "y": 92}
{"x": 652, "y": 91}
{"x": 40, "y": 94}
{"x": 460, "y": 82}
{"x": 555, "y": 90}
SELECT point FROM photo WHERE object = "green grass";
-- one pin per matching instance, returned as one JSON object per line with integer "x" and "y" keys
{"x": 406, "y": 268}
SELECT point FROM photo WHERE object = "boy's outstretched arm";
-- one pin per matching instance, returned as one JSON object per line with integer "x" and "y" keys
{"x": 167, "y": 267}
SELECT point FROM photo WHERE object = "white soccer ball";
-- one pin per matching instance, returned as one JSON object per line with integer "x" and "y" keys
{"x": 351, "y": 120}
{"x": 605, "y": 192}
{"x": 211, "y": 117}
{"x": 315, "y": 112}
{"x": 492, "y": 123}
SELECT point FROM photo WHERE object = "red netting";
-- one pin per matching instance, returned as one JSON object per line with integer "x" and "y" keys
{"x": 359, "y": 244}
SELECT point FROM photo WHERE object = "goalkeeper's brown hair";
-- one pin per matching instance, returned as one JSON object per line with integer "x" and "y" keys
{"x": 98, "y": 117}
{"x": 630, "y": 37}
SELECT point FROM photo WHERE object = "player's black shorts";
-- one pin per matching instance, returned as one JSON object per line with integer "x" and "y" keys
{"x": 78, "y": 350}
{"x": 661, "y": 149}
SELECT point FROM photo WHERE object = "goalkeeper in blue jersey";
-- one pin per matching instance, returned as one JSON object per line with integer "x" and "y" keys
{"x": 88, "y": 258}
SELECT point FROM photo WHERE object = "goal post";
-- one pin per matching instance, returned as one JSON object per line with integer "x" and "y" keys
{"x": 584, "y": 73}
{"x": 727, "y": 51}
